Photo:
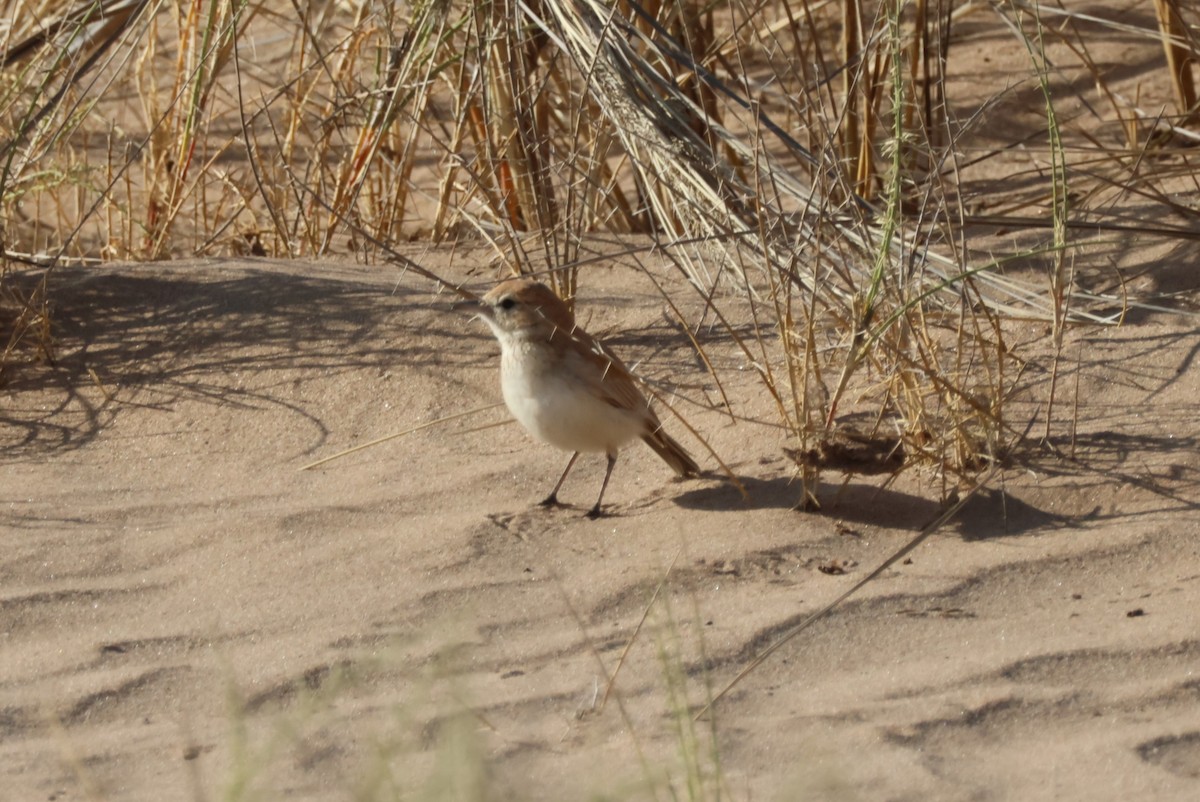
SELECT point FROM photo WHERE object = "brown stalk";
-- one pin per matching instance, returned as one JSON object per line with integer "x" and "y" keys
{"x": 367, "y": 143}
{"x": 850, "y": 132}
{"x": 464, "y": 121}
{"x": 1179, "y": 58}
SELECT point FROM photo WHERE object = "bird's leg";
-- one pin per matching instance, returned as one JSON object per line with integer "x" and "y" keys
{"x": 552, "y": 499}
{"x": 594, "y": 512}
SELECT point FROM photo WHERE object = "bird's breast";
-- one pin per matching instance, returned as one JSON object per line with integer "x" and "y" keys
{"x": 558, "y": 396}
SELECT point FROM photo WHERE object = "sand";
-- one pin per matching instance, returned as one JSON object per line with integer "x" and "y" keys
{"x": 185, "y": 614}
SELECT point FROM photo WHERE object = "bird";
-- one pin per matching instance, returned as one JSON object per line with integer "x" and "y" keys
{"x": 565, "y": 387}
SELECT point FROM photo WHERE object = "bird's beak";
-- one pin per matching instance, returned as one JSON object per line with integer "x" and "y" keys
{"x": 473, "y": 305}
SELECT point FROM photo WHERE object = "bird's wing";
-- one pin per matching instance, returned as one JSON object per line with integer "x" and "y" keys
{"x": 613, "y": 381}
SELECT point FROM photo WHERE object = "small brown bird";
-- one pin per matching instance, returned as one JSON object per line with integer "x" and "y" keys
{"x": 565, "y": 387}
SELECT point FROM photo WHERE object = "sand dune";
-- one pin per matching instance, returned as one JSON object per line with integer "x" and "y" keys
{"x": 185, "y": 613}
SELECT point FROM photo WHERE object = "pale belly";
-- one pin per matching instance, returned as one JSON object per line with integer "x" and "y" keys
{"x": 563, "y": 414}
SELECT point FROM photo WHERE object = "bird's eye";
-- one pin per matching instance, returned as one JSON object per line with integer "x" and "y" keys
{"x": 508, "y": 303}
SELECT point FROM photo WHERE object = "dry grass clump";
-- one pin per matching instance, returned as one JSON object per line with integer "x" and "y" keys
{"x": 817, "y": 166}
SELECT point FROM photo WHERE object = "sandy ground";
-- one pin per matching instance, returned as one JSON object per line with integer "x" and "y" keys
{"x": 187, "y": 615}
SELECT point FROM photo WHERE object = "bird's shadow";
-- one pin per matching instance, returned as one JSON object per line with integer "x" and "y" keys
{"x": 989, "y": 514}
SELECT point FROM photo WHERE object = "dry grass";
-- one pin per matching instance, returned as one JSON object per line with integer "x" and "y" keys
{"x": 817, "y": 166}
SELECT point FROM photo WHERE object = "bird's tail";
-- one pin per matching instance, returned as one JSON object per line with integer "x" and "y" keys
{"x": 672, "y": 453}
